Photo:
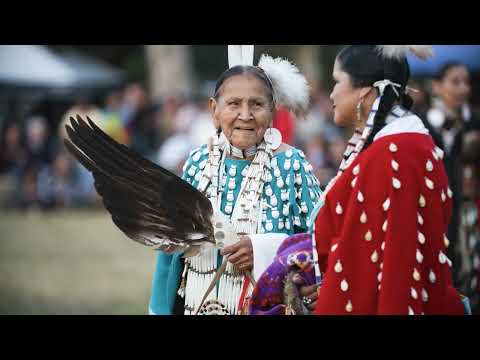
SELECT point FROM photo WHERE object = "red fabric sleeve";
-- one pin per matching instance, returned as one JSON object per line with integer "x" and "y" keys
{"x": 388, "y": 243}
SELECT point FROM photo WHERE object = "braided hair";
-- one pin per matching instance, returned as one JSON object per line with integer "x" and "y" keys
{"x": 365, "y": 65}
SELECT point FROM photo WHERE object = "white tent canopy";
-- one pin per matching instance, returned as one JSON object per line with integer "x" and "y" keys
{"x": 33, "y": 65}
{"x": 37, "y": 66}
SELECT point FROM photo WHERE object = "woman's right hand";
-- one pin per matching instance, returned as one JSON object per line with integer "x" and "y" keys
{"x": 309, "y": 294}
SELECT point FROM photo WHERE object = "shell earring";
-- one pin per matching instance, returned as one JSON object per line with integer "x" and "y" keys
{"x": 359, "y": 110}
{"x": 273, "y": 138}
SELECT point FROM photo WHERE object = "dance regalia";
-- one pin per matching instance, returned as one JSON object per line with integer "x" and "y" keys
{"x": 380, "y": 235}
{"x": 288, "y": 198}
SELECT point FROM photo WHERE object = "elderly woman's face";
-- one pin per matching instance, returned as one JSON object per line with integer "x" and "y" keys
{"x": 243, "y": 110}
{"x": 344, "y": 96}
{"x": 454, "y": 89}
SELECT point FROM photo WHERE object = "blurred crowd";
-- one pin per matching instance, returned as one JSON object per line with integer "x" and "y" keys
{"x": 45, "y": 176}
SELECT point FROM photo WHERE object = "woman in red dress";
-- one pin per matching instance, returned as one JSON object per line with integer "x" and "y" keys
{"x": 379, "y": 240}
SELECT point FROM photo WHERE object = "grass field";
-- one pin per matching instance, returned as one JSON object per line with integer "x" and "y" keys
{"x": 73, "y": 262}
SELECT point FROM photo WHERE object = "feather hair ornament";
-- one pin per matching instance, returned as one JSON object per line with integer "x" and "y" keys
{"x": 240, "y": 55}
{"x": 289, "y": 85}
{"x": 401, "y": 51}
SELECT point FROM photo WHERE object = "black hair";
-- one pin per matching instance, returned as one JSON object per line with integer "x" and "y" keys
{"x": 243, "y": 70}
{"x": 440, "y": 75}
{"x": 365, "y": 65}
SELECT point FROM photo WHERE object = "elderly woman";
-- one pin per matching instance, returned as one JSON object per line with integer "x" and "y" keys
{"x": 379, "y": 241}
{"x": 265, "y": 187}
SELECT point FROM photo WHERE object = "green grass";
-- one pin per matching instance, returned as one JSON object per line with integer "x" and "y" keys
{"x": 72, "y": 262}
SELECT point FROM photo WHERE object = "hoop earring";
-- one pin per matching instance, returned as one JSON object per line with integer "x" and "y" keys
{"x": 359, "y": 110}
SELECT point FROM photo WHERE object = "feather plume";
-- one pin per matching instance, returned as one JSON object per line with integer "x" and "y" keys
{"x": 240, "y": 55}
{"x": 148, "y": 203}
{"x": 290, "y": 86}
{"x": 400, "y": 51}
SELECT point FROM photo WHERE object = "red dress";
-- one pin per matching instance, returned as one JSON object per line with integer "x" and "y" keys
{"x": 380, "y": 236}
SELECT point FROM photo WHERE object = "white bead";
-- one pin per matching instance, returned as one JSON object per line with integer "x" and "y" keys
{"x": 416, "y": 275}
{"x": 396, "y": 183}
{"x": 277, "y": 172}
{"x": 413, "y": 293}
{"x": 429, "y": 166}
{"x": 296, "y": 221}
{"x": 360, "y": 197}
{"x": 374, "y": 256}
{"x": 301, "y": 153}
{"x": 446, "y": 242}
{"x": 296, "y": 165}
{"x": 379, "y": 277}
{"x": 268, "y": 191}
{"x": 191, "y": 171}
{"x": 442, "y": 258}
{"x": 344, "y": 285}
{"x": 304, "y": 207}
{"x": 289, "y": 153}
{"x": 198, "y": 176}
{"x": 432, "y": 277}
{"x": 419, "y": 218}
{"x": 434, "y": 154}
{"x": 395, "y": 165}
{"x": 339, "y": 209}
{"x": 273, "y": 163}
{"x": 421, "y": 238}
{"x": 444, "y": 197}
{"x": 429, "y": 183}
{"x": 280, "y": 224}
{"x": 312, "y": 194}
{"x": 284, "y": 195}
{"x": 269, "y": 225}
{"x": 354, "y": 181}
{"x": 349, "y": 306}
{"x": 424, "y": 295}
{"x": 230, "y": 196}
{"x": 287, "y": 164}
{"x": 273, "y": 200}
{"x": 383, "y": 246}
{"x": 386, "y": 204}
{"x": 275, "y": 213}
{"x": 449, "y": 193}
{"x": 421, "y": 201}
{"x": 287, "y": 224}
{"x": 363, "y": 218}
{"x": 287, "y": 181}
{"x": 368, "y": 236}
{"x": 228, "y": 208}
{"x": 232, "y": 171}
{"x": 309, "y": 181}
{"x": 338, "y": 267}
{"x": 334, "y": 247}
{"x": 298, "y": 179}
{"x": 439, "y": 152}
{"x": 202, "y": 164}
{"x": 286, "y": 210}
{"x": 280, "y": 183}
{"x": 393, "y": 148}
{"x": 381, "y": 266}
{"x": 356, "y": 170}
{"x": 384, "y": 226}
{"x": 419, "y": 257}
{"x": 410, "y": 311}
{"x": 245, "y": 171}
{"x": 196, "y": 156}
{"x": 231, "y": 184}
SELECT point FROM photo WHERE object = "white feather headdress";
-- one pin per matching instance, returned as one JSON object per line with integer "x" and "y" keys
{"x": 401, "y": 51}
{"x": 290, "y": 88}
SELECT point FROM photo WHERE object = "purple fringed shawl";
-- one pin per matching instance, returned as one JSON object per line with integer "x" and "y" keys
{"x": 295, "y": 253}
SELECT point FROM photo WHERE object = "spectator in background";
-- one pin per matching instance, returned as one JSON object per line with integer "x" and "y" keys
{"x": 61, "y": 184}
{"x": 450, "y": 119}
{"x": 12, "y": 151}
{"x": 111, "y": 120}
{"x": 420, "y": 97}
{"x": 134, "y": 100}
{"x": 469, "y": 238}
